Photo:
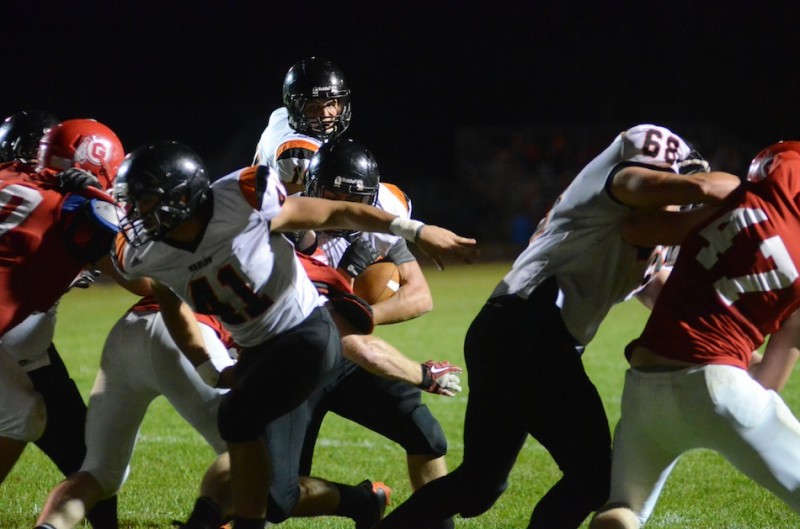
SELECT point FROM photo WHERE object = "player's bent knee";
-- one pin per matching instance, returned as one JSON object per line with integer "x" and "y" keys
{"x": 615, "y": 517}
{"x": 428, "y": 437}
{"x": 28, "y": 419}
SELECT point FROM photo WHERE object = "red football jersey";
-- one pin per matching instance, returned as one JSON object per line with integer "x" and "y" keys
{"x": 736, "y": 276}
{"x": 38, "y": 258}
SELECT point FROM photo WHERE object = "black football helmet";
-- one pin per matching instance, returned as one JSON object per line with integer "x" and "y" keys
{"x": 169, "y": 180}
{"x": 345, "y": 167}
{"x": 316, "y": 78}
{"x": 20, "y": 134}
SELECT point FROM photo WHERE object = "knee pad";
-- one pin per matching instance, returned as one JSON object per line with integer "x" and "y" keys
{"x": 427, "y": 436}
{"x": 26, "y": 421}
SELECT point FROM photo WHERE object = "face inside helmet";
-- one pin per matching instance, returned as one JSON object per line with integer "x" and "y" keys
{"x": 146, "y": 217}
{"x": 322, "y": 117}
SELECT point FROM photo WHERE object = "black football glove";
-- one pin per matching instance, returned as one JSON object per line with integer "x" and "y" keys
{"x": 359, "y": 255}
{"x": 74, "y": 180}
{"x": 693, "y": 164}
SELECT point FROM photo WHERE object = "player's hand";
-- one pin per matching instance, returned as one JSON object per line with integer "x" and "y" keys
{"x": 74, "y": 180}
{"x": 693, "y": 164}
{"x": 441, "y": 378}
{"x": 436, "y": 242}
{"x": 85, "y": 279}
{"x": 359, "y": 255}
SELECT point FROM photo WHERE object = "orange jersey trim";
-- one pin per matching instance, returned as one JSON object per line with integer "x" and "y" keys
{"x": 119, "y": 246}
{"x": 396, "y": 191}
{"x": 296, "y": 144}
{"x": 247, "y": 183}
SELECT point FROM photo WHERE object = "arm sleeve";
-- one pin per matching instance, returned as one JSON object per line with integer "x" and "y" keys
{"x": 399, "y": 253}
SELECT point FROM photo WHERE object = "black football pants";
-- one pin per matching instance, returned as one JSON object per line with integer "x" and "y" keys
{"x": 525, "y": 377}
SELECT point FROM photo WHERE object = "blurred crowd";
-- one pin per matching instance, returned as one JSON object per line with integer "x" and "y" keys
{"x": 509, "y": 178}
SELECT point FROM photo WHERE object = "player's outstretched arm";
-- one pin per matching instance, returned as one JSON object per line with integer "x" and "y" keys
{"x": 300, "y": 213}
{"x": 642, "y": 186}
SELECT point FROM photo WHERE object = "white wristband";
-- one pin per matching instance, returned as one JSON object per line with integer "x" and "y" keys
{"x": 208, "y": 373}
{"x": 406, "y": 228}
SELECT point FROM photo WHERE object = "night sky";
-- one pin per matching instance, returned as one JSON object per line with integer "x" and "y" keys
{"x": 209, "y": 73}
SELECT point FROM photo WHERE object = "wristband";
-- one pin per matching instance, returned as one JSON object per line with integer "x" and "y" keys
{"x": 427, "y": 379}
{"x": 406, "y": 228}
{"x": 208, "y": 373}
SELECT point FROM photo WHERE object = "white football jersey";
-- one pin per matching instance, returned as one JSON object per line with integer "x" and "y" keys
{"x": 283, "y": 149}
{"x": 579, "y": 240}
{"x": 248, "y": 277}
{"x": 390, "y": 198}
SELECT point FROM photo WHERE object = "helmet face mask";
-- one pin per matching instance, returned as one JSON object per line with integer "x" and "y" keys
{"x": 318, "y": 83}
{"x": 161, "y": 186}
{"x": 343, "y": 169}
{"x": 20, "y": 134}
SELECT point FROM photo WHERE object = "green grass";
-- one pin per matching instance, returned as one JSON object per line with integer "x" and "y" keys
{"x": 704, "y": 491}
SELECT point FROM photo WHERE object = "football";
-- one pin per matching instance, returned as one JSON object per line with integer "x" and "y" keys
{"x": 378, "y": 281}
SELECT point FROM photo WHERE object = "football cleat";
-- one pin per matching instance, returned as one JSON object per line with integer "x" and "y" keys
{"x": 380, "y": 497}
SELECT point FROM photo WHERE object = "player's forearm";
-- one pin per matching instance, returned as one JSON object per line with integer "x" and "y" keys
{"x": 381, "y": 358}
{"x": 316, "y": 213}
{"x": 181, "y": 324}
{"x": 406, "y": 304}
{"x": 641, "y": 186}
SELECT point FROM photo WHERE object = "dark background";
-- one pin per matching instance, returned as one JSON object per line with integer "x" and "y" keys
{"x": 209, "y": 73}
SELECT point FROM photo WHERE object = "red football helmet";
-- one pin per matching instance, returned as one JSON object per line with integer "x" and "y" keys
{"x": 83, "y": 143}
{"x": 760, "y": 165}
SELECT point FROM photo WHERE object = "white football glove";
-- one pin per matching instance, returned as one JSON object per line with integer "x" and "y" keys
{"x": 441, "y": 378}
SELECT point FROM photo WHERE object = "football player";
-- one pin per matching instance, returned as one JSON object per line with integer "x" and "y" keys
{"x": 140, "y": 362}
{"x": 344, "y": 170}
{"x": 316, "y": 108}
{"x": 46, "y": 407}
{"x": 547, "y": 308}
{"x": 217, "y": 248}
{"x": 735, "y": 282}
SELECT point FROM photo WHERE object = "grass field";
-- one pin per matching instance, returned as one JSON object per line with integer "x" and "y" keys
{"x": 704, "y": 491}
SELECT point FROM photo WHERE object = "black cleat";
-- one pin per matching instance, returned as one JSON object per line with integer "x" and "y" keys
{"x": 380, "y": 497}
